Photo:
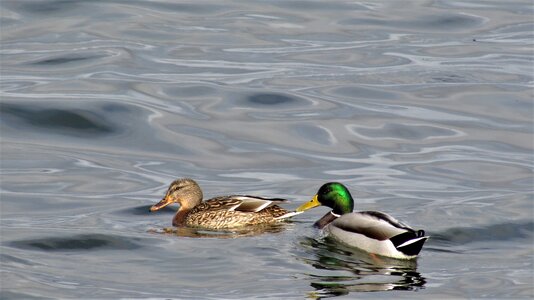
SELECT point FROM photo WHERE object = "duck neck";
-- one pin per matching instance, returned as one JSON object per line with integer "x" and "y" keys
{"x": 179, "y": 218}
{"x": 326, "y": 219}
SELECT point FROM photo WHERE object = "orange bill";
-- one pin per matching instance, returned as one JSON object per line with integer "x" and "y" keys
{"x": 164, "y": 202}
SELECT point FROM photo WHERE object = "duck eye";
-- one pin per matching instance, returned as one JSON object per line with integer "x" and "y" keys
{"x": 325, "y": 191}
{"x": 174, "y": 190}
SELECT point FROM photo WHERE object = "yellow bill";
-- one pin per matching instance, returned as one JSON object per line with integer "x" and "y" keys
{"x": 310, "y": 204}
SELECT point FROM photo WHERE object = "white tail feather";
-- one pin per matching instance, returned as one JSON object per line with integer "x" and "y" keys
{"x": 411, "y": 241}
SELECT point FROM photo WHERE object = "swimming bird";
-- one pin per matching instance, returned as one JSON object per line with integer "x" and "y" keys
{"x": 373, "y": 231}
{"x": 220, "y": 212}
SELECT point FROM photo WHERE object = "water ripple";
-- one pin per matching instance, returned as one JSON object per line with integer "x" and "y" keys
{"x": 73, "y": 122}
{"x": 78, "y": 243}
{"x": 494, "y": 232}
{"x": 423, "y": 109}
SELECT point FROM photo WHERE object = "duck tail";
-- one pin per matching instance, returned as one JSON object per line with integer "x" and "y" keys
{"x": 410, "y": 243}
{"x": 412, "y": 247}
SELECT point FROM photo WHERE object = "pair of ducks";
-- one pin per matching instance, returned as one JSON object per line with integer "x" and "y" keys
{"x": 372, "y": 231}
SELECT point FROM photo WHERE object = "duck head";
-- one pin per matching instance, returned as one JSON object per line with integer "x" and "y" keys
{"x": 185, "y": 192}
{"x": 334, "y": 195}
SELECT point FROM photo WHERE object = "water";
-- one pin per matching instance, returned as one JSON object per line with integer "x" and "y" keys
{"x": 422, "y": 108}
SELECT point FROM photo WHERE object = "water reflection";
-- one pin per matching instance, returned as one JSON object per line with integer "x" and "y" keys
{"x": 221, "y": 234}
{"x": 342, "y": 270}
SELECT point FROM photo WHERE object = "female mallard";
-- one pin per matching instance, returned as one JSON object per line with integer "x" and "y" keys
{"x": 372, "y": 231}
{"x": 219, "y": 212}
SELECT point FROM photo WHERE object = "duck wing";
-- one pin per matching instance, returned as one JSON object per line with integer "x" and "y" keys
{"x": 242, "y": 203}
{"x": 385, "y": 217}
{"x": 254, "y": 203}
{"x": 372, "y": 224}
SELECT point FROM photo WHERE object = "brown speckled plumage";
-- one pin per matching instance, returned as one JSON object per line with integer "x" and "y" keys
{"x": 219, "y": 212}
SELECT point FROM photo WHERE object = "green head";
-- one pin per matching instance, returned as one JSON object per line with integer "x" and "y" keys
{"x": 334, "y": 195}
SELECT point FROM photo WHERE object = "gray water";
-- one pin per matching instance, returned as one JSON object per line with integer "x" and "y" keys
{"x": 422, "y": 108}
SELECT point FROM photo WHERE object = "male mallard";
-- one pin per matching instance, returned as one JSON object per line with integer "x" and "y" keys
{"x": 372, "y": 231}
{"x": 219, "y": 212}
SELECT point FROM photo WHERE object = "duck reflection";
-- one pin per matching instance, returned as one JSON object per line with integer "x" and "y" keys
{"x": 222, "y": 234}
{"x": 342, "y": 270}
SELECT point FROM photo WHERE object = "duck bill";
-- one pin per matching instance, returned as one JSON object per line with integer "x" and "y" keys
{"x": 310, "y": 204}
{"x": 164, "y": 202}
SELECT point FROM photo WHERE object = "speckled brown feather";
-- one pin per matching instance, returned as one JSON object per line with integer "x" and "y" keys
{"x": 215, "y": 214}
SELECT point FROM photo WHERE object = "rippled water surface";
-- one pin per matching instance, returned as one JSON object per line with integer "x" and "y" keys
{"x": 422, "y": 108}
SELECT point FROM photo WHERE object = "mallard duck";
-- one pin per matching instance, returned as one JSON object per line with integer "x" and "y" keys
{"x": 219, "y": 212}
{"x": 372, "y": 231}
